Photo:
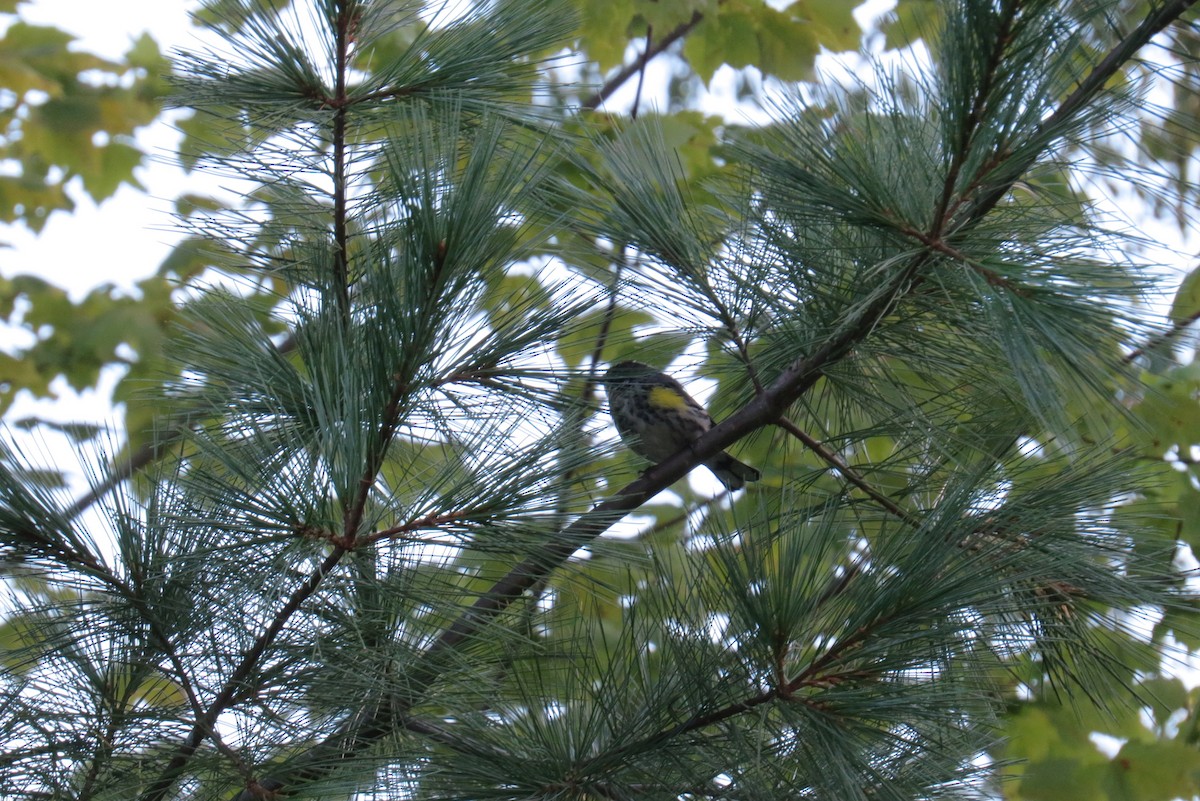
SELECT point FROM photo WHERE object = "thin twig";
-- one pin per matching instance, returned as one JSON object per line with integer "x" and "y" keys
{"x": 1177, "y": 328}
{"x": 971, "y": 123}
{"x": 124, "y": 470}
{"x": 235, "y": 684}
{"x": 610, "y": 311}
{"x": 812, "y": 676}
{"x": 341, "y": 266}
{"x": 1095, "y": 81}
{"x": 629, "y": 70}
{"x": 846, "y": 470}
{"x": 637, "y": 97}
{"x": 204, "y": 725}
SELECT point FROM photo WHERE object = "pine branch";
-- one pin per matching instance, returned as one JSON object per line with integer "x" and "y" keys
{"x": 645, "y": 58}
{"x": 629, "y": 70}
{"x": 974, "y": 118}
{"x": 121, "y": 472}
{"x": 391, "y": 418}
{"x": 1157, "y": 21}
{"x": 234, "y": 685}
{"x": 340, "y": 102}
{"x": 846, "y": 470}
{"x": 822, "y": 672}
{"x": 377, "y": 718}
{"x": 204, "y": 726}
{"x": 1156, "y": 342}
{"x": 347, "y": 20}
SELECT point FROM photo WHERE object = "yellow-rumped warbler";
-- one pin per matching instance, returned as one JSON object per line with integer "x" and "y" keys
{"x": 656, "y": 417}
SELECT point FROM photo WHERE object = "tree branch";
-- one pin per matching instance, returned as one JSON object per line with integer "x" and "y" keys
{"x": 637, "y": 96}
{"x": 236, "y": 681}
{"x": 629, "y": 70}
{"x": 346, "y": 20}
{"x": 376, "y": 718}
{"x": 1156, "y": 22}
{"x": 1177, "y": 328}
{"x": 846, "y": 470}
{"x": 972, "y": 120}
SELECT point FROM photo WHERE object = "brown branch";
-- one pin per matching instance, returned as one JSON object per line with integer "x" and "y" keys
{"x": 428, "y": 521}
{"x": 629, "y": 70}
{"x": 971, "y": 122}
{"x": 1087, "y": 90}
{"x": 228, "y": 694}
{"x": 345, "y": 28}
{"x": 812, "y": 676}
{"x": 645, "y": 58}
{"x": 1155, "y": 342}
{"x": 353, "y": 513}
{"x": 992, "y": 277}
{"x": 391, "y": 419}
{"x": 345, "y": 24}
{"x": 846, "y": 470}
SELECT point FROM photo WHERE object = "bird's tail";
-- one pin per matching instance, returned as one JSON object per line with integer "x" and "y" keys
{"x": 730, "y": 472}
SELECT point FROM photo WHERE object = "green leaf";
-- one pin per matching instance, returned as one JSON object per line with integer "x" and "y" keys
{"x": 117, "y": 162}
{"x": 666, "y": 15}
{"x": 604, "y": 30}
{"x": 159, "y": 692}
{"x": 1186, "y": 306}
{"x": 1063, "y": 780}
{"x": 23, "y": 639}
{"x": 1183, "y": 624}
{"x": 1165, "y": 696}
{"x": 1169, "y": 408}
{"x": 910, "y": 21}
{"x": 580, "y": 341}
{"x": 729, "y": 38}
{"x": 831, "y": 20}
{"x": 1158, "y": 771}
{"x": 515, "y": 294}
{"x": 145, "y": 53}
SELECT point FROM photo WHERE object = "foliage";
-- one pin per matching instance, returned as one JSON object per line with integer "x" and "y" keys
{"x": 69, "y": 115}
{"x": 69, "y": 119}
{"x": 384, "y": 544}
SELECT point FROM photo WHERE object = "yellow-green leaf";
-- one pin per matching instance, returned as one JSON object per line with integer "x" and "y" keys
{"x": 1186, "y": 306}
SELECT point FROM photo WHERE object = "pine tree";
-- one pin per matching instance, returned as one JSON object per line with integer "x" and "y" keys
{"x": 398, "y": 552}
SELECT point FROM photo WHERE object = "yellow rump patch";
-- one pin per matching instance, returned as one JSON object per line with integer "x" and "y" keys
{"x": 666, "y": 398}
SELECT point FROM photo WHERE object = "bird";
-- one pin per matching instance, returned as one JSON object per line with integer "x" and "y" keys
{"x": 656, "y": 417}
